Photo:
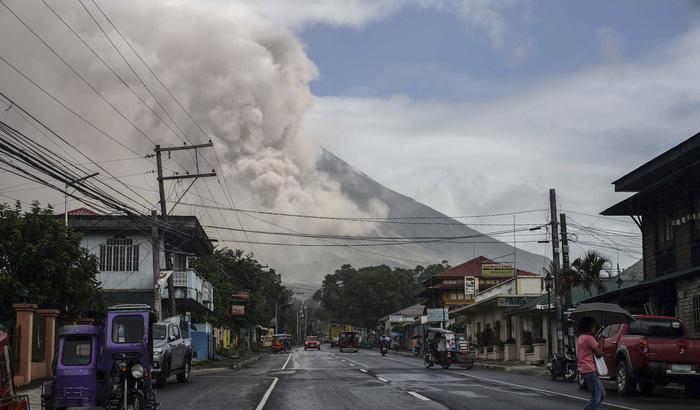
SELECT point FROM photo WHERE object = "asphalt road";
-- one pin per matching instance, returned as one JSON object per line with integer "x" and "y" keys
{"x": 366, "y": 380}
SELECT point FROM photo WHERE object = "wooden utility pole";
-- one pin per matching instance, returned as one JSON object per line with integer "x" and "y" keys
{"x": 155, "y": 251}
{"x": 555, "y": 262}
{"x": 163, "y": 208}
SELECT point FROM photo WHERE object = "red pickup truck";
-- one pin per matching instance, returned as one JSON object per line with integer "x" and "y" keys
{"x": 651, "y": 351}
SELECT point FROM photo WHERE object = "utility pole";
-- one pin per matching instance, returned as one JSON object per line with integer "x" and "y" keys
{"x": 566, "y": 290}
{"x": 163, "y": 208}
{"x": 155, "y": 251}
{"x": 555, "y": 261}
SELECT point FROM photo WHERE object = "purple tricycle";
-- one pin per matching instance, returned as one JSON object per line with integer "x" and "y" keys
{"x": 106, "y": 366}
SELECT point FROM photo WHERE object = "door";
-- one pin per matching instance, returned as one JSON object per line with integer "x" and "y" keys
{"x": 610, "y": 339}
{"x": 177, "y": 346}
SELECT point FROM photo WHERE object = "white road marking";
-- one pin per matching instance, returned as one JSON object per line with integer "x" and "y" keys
{"x": 607, "y": 403}
{"x": 287, "y": 362}
{"x": 352, "y": 364}
{"x": 585, "y": 399}
{"x": 363, "y": 370}
{"x": 383, "y": 379}
{"x": 418, "y": 396}
{"x": 261, "y": 405}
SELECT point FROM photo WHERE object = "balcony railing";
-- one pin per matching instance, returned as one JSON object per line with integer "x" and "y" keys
{"x": 191, "y": 290}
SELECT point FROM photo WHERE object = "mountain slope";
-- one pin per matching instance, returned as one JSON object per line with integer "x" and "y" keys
{"x": 361, "y": 189}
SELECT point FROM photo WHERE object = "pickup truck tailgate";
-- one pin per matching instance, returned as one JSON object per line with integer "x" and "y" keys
{"x": 679, "y": 351}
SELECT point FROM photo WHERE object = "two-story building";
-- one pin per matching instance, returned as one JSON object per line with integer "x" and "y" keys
{"x": 666, "y": 207}
{"x": 457, "y": 286}
{"x": 124, "y": 248}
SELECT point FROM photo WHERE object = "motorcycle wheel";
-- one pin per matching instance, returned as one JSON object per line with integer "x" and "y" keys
{"x": 581, "y": 383}
{"x": 428, "y": 362}
{"x": 570, "y": 373}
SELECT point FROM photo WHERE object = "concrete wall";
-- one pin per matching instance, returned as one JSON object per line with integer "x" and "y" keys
{"x": 118, "y": 280}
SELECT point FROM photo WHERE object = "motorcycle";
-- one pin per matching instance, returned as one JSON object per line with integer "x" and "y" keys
{"x": 564, "y": 365}
{"x": 383, "y": 349}
{"x": 131, "y": 387}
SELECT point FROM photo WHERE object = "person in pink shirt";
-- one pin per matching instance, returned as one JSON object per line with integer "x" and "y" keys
{"x": 587, "y": 349}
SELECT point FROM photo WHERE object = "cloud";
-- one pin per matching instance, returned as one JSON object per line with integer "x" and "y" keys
{"x": 489, "y": 15}
{"x": 610, "y": 43}
{"x": 576, "y": 133}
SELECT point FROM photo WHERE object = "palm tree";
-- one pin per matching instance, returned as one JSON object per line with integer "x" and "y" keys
{"x": 589, "y": 268}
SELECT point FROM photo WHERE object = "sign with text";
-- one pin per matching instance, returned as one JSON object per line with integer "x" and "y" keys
{"x": 438, "y": 315}
{"x": 469, "y": 286}
{"x": 497, "y": 270}
{"x": 395, "y": 318}
{"x": 236, "y": 310}
{"x": 240, "y": 296}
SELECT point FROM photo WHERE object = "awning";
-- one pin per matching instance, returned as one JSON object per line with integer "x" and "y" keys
{"x": 645, "y": 284}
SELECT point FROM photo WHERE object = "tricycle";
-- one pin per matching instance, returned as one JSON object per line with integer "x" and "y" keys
{"x": 442, "y": 349}
{"x": 281, "y": 343}
{"x": 105, "y": 366}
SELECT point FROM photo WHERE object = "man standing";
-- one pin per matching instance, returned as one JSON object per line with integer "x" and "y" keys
{"x": 587, "y": 350}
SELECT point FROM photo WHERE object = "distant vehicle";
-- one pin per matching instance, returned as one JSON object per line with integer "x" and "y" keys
{"x": 171, "y": 352}
{"x": 651, "y": 351}
{"x": 312, "y": 342}
{"x": 282, "y": 343}
{"x": 335, "y": 342}
{"x": 267, "y": 339}
{"x": 349, "y": 342}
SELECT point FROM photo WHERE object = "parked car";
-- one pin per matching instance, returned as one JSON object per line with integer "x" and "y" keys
{"x": 172, "y": 352}
{"x": 312, "y": 342}
{"x": 651, "y": 351}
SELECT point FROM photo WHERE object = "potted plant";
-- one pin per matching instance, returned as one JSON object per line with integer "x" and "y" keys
{"x": 510, "y": 351}
{"x": 539, "y": 347}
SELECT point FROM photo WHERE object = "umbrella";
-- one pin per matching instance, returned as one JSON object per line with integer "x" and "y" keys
{"x": 603, "y": 313}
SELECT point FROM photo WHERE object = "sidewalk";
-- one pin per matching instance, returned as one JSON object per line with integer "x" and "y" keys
{"x": 33, "y": 390}
{"x": 513, "y": 367}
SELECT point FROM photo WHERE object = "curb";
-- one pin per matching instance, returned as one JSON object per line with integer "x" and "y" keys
{"x": 224, "y": 367}
{"x": 249, "y": 361}
{"x": 524, "y": 370}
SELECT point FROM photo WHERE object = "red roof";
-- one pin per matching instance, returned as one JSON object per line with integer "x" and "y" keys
{"x": 82, "y": 212}
{"x": 472, "y": 267}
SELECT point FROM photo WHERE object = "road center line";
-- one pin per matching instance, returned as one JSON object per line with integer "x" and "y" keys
{"x": 287, "y": 362}
{"x": 351, "y": 364}
{"x": 383, "y": 379}
{"x": 261, "y": 405}
{"x": 418, "y": 396}
{"x": 363, "y": 370}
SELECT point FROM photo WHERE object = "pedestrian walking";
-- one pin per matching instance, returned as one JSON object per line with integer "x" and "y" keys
{"x": 588, "y": 349}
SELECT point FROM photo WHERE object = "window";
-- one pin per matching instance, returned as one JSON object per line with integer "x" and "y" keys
{"x": 665, "y": 229}
{"x": 159, "y": 332}
{"x": 77, "y": 351}
{"x": 656, "y": 328}
{"x": 119, "y": 254}
{"x": 127, "y": 329}
{"x": 696, "y": 313}
{"x": 174, "y": 332}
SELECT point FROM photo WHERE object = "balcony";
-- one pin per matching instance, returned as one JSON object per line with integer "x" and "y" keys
{"x": 192, "y": 293}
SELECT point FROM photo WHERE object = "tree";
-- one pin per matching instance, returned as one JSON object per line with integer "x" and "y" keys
{"x": 427, "y": 272}
{"x": 589, "y": 268}
{"x": 361, "y": 296}
{"x": 42, "y": 262}
{"x": 231, "y": 270}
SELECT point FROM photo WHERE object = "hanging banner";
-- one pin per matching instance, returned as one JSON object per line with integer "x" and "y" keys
{"x": 240, "y": 296}
{"x": 469, "y": 286}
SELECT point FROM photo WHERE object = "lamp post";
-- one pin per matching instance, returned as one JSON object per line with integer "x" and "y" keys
{"x": 548, "y": 284}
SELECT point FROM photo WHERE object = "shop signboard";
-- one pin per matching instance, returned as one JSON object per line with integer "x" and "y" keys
{"x": 438, "y": 315}
{"x": 497, "y": 270}
{"x": 236, "y": 310}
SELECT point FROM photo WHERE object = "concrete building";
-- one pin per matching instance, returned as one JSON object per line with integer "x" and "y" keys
{"x": 124, "y": 247}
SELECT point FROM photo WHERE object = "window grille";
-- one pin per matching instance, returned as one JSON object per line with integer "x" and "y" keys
{"x": 119, "y": 254}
